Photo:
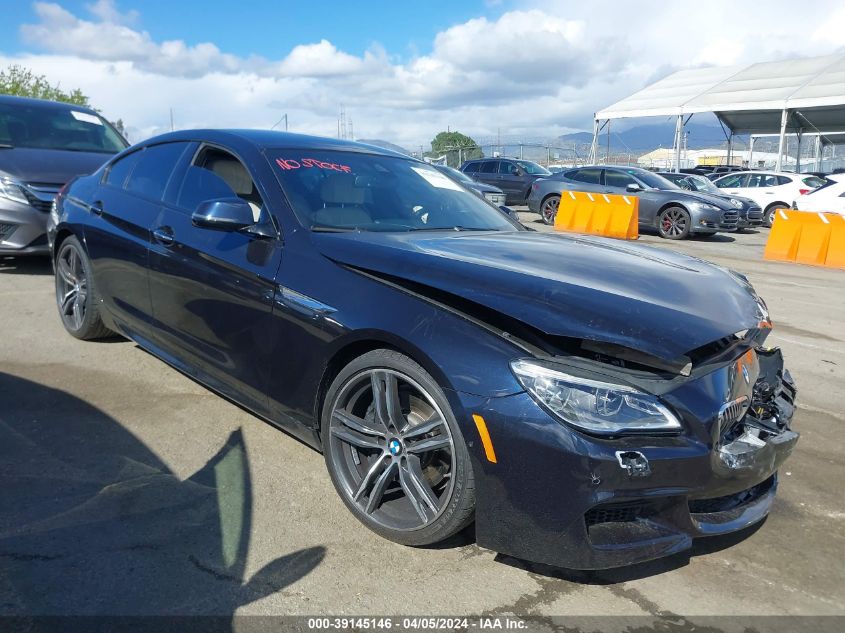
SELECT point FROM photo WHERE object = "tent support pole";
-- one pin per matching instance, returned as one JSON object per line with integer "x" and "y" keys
{"x": 607, "y": 158}
{"x": 679, "y": 130}
{"x": 594, "y": 148}
{"x": 730, "y": 148}
{"x": 751, "y": 140}
{"x": 798, "y": 152}
{"x": 818, "y": 153}
{"x": 784, "y": 115}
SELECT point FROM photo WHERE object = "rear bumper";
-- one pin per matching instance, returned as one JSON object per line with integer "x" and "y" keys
{"x": 563, "y": 498}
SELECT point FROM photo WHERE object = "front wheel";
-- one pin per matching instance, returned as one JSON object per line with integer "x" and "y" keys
{"x": 548, "y": 209}
{"x": 394, "y": 451}
{"x": 674, "y": 223}
{"x": 76, "y": 294}
{"x": 771, "y": 212}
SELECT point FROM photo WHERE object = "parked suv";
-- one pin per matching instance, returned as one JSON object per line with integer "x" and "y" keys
{"x": 770, "y": 189}
{"x": 664, "y": 206}
{"x": 43, "y": 144}
{"x": 511, "y": 175}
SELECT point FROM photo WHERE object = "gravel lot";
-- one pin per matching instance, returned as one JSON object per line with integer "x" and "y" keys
{"x": 121, "y": 481}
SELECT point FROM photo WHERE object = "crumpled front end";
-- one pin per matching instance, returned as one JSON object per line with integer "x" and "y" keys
{"x": 566, "y": 498}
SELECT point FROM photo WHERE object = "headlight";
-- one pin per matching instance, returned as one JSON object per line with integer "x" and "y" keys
{"x": 703, "y": 206}
{"x": 12, "y": 190}
{"x": 593, "y": 405}
{"x": 736, "y": 203}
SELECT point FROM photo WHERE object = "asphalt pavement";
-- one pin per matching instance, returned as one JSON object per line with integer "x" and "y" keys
{"x": 127, "y": 488}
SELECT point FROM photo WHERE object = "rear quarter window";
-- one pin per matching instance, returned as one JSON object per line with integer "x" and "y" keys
{"x": 121, "y": 168}
{"x": 154, "y": 169}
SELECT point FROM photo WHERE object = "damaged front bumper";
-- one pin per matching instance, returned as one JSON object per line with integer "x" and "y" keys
{"x": 583, "y": 502}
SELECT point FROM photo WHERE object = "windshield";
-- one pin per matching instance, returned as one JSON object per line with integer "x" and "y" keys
{"x": 456, "y": 174}
{"x": 50, "y": 127}
{"x": 650, "y": 179}
{"x": 703, "y": 184}
{"x": 346, "y": 191}
{"x": 533, "y": 168}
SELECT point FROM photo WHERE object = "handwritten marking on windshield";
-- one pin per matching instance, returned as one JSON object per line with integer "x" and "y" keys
{"x": 289, "y": 163}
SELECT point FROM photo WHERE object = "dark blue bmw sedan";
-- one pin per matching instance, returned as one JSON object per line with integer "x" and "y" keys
{"x": 588, "y": 403}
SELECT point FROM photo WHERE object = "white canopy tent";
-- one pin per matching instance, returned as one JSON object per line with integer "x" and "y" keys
{"x": 792, "y": 96}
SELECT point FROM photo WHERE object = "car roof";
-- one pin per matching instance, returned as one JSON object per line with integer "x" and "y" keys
{"x": 56, "y": 105}
{"x": 270, "y": 139}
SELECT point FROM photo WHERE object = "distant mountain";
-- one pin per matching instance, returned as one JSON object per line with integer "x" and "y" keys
{"x": 644, "y": 138}
{"x": 384, "y": 145}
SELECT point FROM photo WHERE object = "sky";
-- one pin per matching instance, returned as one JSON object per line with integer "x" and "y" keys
{"x": 403, "y": 71}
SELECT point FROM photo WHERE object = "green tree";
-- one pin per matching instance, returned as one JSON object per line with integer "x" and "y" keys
{"x": 22, "y": 82}
{"x": 456, "y": 146}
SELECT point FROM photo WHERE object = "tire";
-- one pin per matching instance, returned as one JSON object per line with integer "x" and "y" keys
{"x": 548, "y": 209}
{"x": 378, "y": 454}
{"x": 769, "y": 217}
{"x": 674, "y": 223}
{"x": 76, "y": 294}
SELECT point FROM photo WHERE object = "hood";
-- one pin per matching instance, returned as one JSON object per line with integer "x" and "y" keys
{"x": 647, "y": 299}
{"x": 484, "y": 188}
{"x": 48, "y": 166}
{"x": 723, "y": 202}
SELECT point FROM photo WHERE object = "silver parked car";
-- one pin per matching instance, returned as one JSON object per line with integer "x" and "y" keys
{"x": 673, "y": 212}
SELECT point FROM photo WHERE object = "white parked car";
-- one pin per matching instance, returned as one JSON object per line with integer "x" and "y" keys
{"x": 771, "y": 190}
{"x": 829, "y": 197}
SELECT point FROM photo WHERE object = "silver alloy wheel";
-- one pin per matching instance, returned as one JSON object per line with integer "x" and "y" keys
{"x": 549, "y": 209}
{"x": 392, "y": 449}
{"x": 674, "y": 222}
{"x": 71, "y": 287}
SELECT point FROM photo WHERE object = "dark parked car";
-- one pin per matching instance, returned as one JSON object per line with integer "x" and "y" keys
{"x": 588, "y": 403}
{"x": 43, "y": 144}
{"x": 493, "y": 195}
{"x": 675, "y": 213}
{"x": 511, "y": 175}
{"x": 750, "y": 213}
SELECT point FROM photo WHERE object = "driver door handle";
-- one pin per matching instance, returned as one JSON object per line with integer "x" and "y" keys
{"x": 163, "y": 235}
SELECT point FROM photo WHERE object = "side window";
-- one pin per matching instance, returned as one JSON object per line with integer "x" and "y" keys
{"x": 214, "y": 174}
{"x": 613, "y": 178}
{"x": 508, "y": 168}
{"x": 728, "y": 182}
{"x": 588, "y": 175}
{"x": 471, "y": 168}
{"x": 489, "y": 167}
{"x": 120, "y": 169}
{"x": 154, "y": 168}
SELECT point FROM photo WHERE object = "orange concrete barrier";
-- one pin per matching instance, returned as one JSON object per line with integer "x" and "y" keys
{"x": 598, "y": 214}
{"x": 807, "y": 237}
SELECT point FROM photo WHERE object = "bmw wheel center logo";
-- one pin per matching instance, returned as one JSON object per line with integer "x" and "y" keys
{"x": 394, "y": 446}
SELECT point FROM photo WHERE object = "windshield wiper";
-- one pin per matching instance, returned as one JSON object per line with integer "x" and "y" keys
{"x": 6, "y": 146}
{"x": 333, "y": 229}
{"x": 453, "y": 228}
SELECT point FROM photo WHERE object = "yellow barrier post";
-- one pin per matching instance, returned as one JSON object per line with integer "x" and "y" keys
{"x": 814, "y": 240}
{"x": 784, "y": 236}
{"x": 836, "y": 246}
{"x": 598, "y": 214}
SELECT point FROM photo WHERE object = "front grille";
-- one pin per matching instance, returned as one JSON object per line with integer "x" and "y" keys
{"x": 730, "y": 219}
{"x": 755, "y": 213}
{"x": 616, "y": 513}
{"x": 732, "y": 412}
{"x": 730, "y": 502}
{"x": 6, "y": 231}
{"x": 40, "y": 203}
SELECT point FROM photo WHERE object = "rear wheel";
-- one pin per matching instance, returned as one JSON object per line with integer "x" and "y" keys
{"x": 394, "y": 450}
{"x": 76, "y": 294}
{"x": 674, "y": 223}
{"x": 548, "y": 209}
{"x": 771, "y": 212}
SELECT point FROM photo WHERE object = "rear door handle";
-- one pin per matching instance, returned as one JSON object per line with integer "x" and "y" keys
{"x": 163, "y": 235}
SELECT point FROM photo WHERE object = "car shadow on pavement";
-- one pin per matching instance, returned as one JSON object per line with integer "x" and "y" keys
{"x": 25, "y": 266}
{"x": 700, "y": 547}
{"x": 93, "y": 523}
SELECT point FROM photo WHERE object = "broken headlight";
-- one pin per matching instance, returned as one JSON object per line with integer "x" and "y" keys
{"x": 594, "y": 405}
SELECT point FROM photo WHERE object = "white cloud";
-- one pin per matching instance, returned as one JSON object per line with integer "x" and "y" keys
{"x": 534, "y": 72}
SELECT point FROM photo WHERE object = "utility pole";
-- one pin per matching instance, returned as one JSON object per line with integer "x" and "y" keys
{"x": 171, "y": 120}
{"x": 285, "y": 119}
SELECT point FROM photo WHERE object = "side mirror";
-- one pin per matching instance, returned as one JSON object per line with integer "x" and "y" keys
{"x": 223, "y": 214}
{"x": 633, "y": 188}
